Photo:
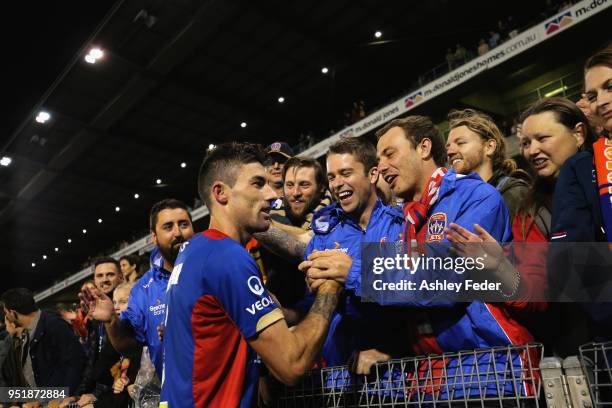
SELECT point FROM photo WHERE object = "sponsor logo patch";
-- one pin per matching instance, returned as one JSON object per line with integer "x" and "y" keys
{"x": 413, "y": 99}
{"x": 255, "y": 285}
{"x": 558, "y": 22}
{"x": 436, "y": 227}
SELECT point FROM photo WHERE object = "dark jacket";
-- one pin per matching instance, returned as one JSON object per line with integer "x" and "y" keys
{"x": 102, "y": 374}
{"x": 57, "y": 356}
{"x": 577, "y": 213}
{"x": 512, "y": 189}
{"x": 94, "y": 342}
{"x": 11, "y": 374}
{"x": 580, "y": 272}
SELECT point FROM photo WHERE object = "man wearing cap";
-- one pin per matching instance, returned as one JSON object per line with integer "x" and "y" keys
{"x": 276, "y": 156}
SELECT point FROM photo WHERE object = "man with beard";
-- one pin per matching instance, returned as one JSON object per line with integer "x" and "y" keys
{"x": 304, "y": 192}
{"x": 220, "y": 317}
{"x": 475, "y": 144}
{"x": 139, "y": 325}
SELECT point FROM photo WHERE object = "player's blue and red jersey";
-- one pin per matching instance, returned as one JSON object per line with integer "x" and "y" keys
{"x": 215, "y": 302}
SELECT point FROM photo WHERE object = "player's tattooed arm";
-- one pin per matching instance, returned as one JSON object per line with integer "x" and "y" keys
{"x": 285, "y": 242}
{"x": 290, "y": 354}
{"x": 326, "y": 301}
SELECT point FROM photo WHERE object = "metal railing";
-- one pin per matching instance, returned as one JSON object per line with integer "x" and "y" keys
{"x": 569, "y": 86}
{"x": 496, "y": 377}
{"x": 596, "y": 361}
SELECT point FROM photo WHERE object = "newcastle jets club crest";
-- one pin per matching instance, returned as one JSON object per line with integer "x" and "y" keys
{"x": 436, "y": 227}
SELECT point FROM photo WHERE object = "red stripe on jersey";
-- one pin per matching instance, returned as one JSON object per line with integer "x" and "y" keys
{"x": 517, "y": 335}
{"x": 214, "y": 234}
{"x": 219, "y": 356}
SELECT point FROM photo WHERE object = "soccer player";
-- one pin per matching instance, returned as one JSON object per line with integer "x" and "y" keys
{"x": 220, "y": 316}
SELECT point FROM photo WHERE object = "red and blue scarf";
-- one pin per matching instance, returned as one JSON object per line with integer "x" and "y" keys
{"x": 415, "y": 212}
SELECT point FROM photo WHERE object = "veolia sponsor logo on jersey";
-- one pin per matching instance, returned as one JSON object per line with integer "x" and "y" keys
{"x": 255, "y": 286}
{"x": 260, "y": 305}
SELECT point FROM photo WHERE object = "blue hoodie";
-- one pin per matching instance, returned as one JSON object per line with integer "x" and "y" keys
{"x": 146, "y": 309}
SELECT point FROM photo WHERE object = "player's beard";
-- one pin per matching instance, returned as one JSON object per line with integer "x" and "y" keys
{"x": 298, "y": 218}
{"x": 170, "y": 252}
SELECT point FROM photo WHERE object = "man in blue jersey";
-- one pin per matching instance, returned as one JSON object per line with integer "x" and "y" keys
{"x": 357, "y": 216}
{"x": 411, "y": 154}
{"x": 220, "y": 317}
{"x": 139, "y": 325}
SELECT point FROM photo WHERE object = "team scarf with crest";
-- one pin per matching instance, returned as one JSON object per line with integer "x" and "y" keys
{"x": 415, "y": 212}
{"x": 602, "y": 158}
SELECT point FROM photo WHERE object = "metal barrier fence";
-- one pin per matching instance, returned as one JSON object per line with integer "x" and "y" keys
{"x": 512, "y": 376}
{"x": 497, "y": 377}
{"x": 596, "y": 361}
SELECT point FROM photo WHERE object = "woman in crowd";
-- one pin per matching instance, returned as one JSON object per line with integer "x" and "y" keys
{"x": 583, "y": 213}
{"x": 553, "y": 130}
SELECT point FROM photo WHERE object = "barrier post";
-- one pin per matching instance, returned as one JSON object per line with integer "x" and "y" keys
{"x": 555, "y": 394}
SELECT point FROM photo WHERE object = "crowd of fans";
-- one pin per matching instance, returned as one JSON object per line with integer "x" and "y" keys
{"x": 110, "y": 347}
{"x": 500, "y": 32}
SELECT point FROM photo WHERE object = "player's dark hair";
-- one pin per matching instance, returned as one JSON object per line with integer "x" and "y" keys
{"x": 602, "y": 57}
{"x": 359, "y": 148}
{"x": 416, "y": 128}
{"x": 131, "y": 259}
{"x": 106, "y": 259}
{"x": 166, "y": 204}
{"x": 221, "y": 164}
{"x": 307, "y": 162}
{"x": 20, "y": 300}
{"x": 566, "y": 113}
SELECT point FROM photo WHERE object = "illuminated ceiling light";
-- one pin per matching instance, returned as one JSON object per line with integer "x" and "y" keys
{"x": 243, "y": 125}
{"x": 5, "y": 161}
{"x": 99, "y": 220}
{"x": 137, "y": 196}
{"x": 211, "y": 146}
{"x": 33, "y": 265}
{"x": 117, "y": 209}
{"x": 84, "y": 231}
{"x": 378, "y": 34}
{"x": 56, "y": 249}
{"x": 183, "y": 165}
{"x": 281, "y": 100}
{"x": 324, "y": 70}
{"x": 44, "y": 256}
{"x": 69, "y": 241}
{"x": 43, "y": 116}
{"x": 158, "y": 181}
{"x": 94, "y": 55}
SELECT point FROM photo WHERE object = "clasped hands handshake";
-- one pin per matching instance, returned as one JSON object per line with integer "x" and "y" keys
{"x": 326, "y": 268}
